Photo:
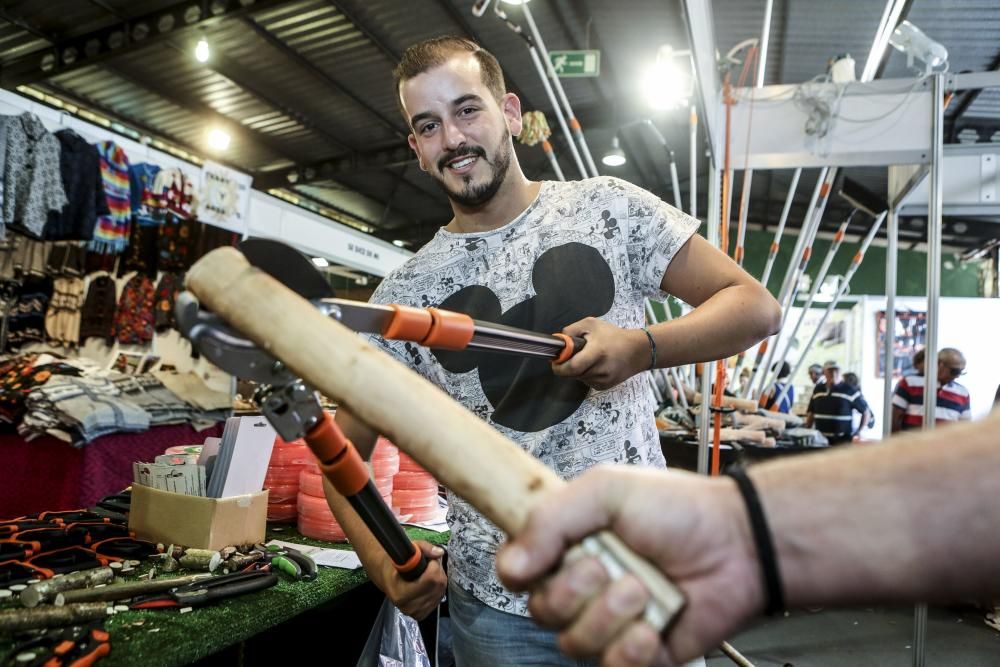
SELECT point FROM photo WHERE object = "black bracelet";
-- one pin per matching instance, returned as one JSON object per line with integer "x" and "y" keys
{"x": 763, "y": 541}
{"x": 652, "y": 348}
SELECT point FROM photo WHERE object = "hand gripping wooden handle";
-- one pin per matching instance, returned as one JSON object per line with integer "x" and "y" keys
{"x": 450, "y": 442}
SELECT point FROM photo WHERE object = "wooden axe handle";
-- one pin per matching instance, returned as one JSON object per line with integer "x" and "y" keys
{"x": 731, "y": 402}
{"x": 462, "y": 451}
{"x": 742, "y": 434}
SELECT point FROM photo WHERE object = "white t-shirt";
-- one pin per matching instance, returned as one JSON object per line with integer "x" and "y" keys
{"x": 588, "y": 248}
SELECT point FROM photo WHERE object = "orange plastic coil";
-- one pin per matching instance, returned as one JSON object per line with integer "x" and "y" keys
{"x": 385, "y": 467}
{"x": 311, "y": 484}
{"x": 285, "y": 493}
{"x": 291, "y": 455}
{"x": 282, "y": 512}
{"x": 416, "y": 516}
{"x": 321, "y": 530}
{"x": 282, "y": 475}
{"x": 314, "y": 506}
{"x": 384, "y": 447}
{"x": 414, "y": 481}
{"x": 408, "y": 498}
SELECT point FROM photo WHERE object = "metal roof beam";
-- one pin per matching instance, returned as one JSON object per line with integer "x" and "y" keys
{"x": 121, "y": 37}
{"x": 303, "y": 62}
{"x": 389, "y": 52}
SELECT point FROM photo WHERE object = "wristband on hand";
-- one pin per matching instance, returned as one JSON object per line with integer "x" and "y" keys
{"x": 775, "y": 603}
{"x": 652, "y": 348}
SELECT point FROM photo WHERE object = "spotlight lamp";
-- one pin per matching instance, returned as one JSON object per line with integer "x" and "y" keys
{"x": 912, "y": 41}
{"x": 615, "y": 157}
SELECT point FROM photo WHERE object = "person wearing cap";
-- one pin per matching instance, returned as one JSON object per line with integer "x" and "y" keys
{"x": 776, "y": 398}
{"x": 953, "y": 402}
{"x": 831, "y": 409}
{"x": 816, "y": 374}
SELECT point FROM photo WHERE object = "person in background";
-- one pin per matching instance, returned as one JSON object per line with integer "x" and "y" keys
{"x": 832, "y": 407}
{"x": 816, "y": 374}
{"x": 953, "y": 402}
{"x": 769, "y": 400}
{"x": 855, "y": 382}
{"x": 917, "y": 367}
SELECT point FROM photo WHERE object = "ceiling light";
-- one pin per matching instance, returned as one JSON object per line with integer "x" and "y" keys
{"x": 201, "y": 51}
{"x": 398, "y": 243}
{"x": 615, "y": 157}
{"x": 912, "y": 41}
{"x": 515, "y": 2}
{"x": 665, "y": 84}
{"x": 218, "y": 139}
{"x": 320, "y": 262}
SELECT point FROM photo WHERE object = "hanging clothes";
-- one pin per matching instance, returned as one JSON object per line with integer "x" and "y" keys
{"x": 145, "y": 205}
{"x": 62, "y": 320}
{"x": 97, "y": 318}
{"x": 66, "y": 259}
{"x": 175, "y": 193}
{"x": 166, "y": 295}
{"x": 141, "y": 253}
{"x": 80, "y": 167}
{"x": 32, "y": 180}
{"x": 177, "y": 243}
{"x": 211, "y": 237}
{"x": 26, "y": 323}
{"x": 134, "y": 318}
{"x": 111, "y": 232}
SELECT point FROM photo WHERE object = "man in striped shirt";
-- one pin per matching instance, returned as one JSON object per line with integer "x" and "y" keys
{"x": 831, "y": 409}
{"x": 952, "y": 398}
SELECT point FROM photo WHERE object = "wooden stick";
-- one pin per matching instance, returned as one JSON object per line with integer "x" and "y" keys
{"x": 447, "y": 440}
{"x": 45, "y": 591}
{"x": 728, "y": 402}
{"x": 19, "y": 619}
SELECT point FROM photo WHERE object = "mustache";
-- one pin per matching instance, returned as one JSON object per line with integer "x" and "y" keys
{"x": 462, "y": 151}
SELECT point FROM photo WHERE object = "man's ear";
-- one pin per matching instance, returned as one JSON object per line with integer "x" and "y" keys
{"x": 412, "y": 140}
{"x": 511, "y": 107}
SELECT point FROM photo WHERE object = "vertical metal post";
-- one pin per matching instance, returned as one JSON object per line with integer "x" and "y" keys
{"x": 693, "y": 132}
{"x": 933, "y": 302}
{"x": 891, "y": 259}
{"x": 708, "y": 369}
{"x": 555, "y": 106}
{"x": 573, "y": 122}
{"x": 776, "y": 243}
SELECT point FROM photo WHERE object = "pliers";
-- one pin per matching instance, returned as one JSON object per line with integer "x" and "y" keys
{"x": 289, "y": 560}
{"x": 208, "y": 590}
{"x": 75, "y": 646}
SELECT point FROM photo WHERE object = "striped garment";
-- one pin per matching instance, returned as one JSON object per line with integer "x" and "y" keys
{"x": 953, "y": 402}
{"x": 111, "y": 232}
{"x": 832, "y": 410}
{"x": 768, "y": 400}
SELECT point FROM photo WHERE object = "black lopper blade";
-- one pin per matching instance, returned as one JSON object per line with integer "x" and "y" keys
{"x": 288, "y": 266}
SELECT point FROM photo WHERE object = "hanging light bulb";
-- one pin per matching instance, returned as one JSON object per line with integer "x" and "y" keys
{"x": 201, "y": 51}
{"x": 615, "y": 157}
{"x": 218, "y": 140}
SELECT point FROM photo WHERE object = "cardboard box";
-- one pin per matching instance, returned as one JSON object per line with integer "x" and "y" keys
{"x": 196, "y": 521}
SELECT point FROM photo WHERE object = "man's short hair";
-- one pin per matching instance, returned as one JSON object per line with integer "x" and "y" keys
{"x": 434, "y": 52}
{"x": 783, "y": 371}
{"x": 918, "y": 356}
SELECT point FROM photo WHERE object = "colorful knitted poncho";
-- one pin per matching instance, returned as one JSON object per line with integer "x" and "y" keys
{"x": 111, "y": 232}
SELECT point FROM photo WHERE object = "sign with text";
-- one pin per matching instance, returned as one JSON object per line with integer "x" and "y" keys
{"x": 569, "y": 64}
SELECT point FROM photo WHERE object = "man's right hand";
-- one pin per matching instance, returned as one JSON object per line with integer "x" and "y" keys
{"x": 421, "y": 597}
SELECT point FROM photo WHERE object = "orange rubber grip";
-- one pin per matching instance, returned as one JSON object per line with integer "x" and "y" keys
{"x": 338, "y": 458}
{"x": 739, "y": 253}
{"x": 824, "y": 190}
{"x": 574, "y": 124}
{"x": 91, "y": 658}
{"x": 567, "y": 351}
{"x": 408, "y": 323}
{"x": 414, "y": 560}
{"x": 774, "y": 247}
{"x": 449, "y": 330}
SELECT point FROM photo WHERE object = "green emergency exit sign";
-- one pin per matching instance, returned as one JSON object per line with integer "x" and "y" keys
{"x": 576, "y": 63}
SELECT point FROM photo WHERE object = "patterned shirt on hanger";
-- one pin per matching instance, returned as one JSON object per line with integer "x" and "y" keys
{"x": 33, "y": 183}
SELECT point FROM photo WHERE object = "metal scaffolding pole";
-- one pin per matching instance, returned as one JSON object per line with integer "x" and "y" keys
{"x": 674, "y": 183}
{"x": 934, "y": 212}
{"x": 772, "y": 253}
{"x": 707, "y": 368}
{"x": 553, "y": 162}
{"x": 573, "y": 122}
{"x": 891, "y": 259}
{"x": 555, "y": 105}
{"x": 693, "y": 138}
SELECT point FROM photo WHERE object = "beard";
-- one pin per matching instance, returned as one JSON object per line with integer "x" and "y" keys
{"x": 476, "y": 194}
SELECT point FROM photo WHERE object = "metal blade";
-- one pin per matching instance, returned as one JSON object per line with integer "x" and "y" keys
{"x": 288, "y": 266}
{"x": 358, "y": 315}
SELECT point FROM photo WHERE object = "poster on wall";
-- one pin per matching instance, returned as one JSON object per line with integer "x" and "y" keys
{"x": 909, "y": 334}
{"x": 225, "y": 197}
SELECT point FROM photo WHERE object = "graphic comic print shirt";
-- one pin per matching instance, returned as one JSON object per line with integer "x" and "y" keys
{"x": 588, "y": 248}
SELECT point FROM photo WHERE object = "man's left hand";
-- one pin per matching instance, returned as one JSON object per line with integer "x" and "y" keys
{"x": 611, "y": 355}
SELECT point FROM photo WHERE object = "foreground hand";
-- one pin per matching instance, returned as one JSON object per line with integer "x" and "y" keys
{"x": 692, "y": 528}
{"x": 611, "y": 355}
{"x": 421, "y": 597}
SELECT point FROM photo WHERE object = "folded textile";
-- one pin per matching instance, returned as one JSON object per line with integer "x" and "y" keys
{"x": 190, "y": 388}
{"x": 88, "y": 407}
{"x": 163, "y": 406}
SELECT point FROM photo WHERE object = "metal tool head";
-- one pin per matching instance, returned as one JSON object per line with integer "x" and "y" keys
{"x": 224, "y": 347}
{"x": 288, "y": 266}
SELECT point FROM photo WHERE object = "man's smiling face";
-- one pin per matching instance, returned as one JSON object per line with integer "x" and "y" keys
{"x": 460, "y": 134}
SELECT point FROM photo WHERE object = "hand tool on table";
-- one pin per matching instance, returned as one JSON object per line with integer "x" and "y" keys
{"x": 446, "y": 439}
{"x": 208, "y": 590}
{"x": 75, "y": 646}
{"x": 46, "y": 591}
{"x": 286, "y": 559}
{"x": 123, "y": 591}
{"x": 47, "y": 616}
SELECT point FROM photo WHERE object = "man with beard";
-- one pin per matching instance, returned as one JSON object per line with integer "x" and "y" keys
{"x": 575, "y": 257}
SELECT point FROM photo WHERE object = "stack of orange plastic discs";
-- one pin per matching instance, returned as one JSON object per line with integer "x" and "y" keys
{"x": 415, "y": 492}
{"x": 384, "y": 464}
{"x": 282, "y": 479}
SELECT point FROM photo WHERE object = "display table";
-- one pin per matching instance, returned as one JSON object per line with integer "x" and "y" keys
{"x": 166, "y": 637}
{"x": 48, "y": 474}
